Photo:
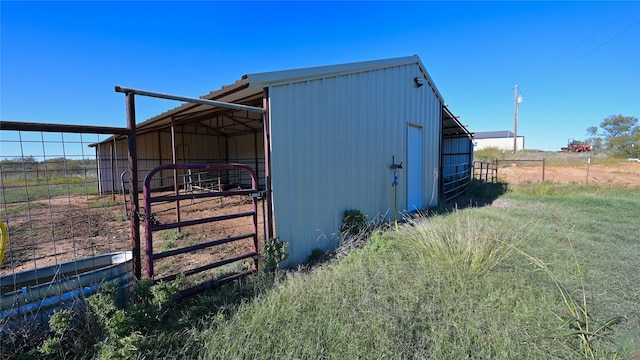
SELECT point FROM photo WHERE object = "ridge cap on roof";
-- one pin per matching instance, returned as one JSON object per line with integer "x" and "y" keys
{"x": 264, "y": 79}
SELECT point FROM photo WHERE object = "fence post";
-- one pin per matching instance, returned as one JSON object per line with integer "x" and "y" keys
{"x": 543, "y": 166}
{"x": 494, "y": 171}
{"x": 133, "y": 186}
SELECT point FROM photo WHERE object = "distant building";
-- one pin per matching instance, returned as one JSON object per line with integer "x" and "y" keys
{"x": 497, "y": 139}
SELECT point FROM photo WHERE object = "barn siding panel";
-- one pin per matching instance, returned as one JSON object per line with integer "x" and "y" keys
{"x": 332, "y": 142}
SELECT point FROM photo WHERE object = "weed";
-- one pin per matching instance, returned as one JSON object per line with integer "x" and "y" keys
{"x": 168, "y": 245}
{"x": 275, "y": 252}
{"x": 60, "y": 323}
{"x": 171, "y": 239}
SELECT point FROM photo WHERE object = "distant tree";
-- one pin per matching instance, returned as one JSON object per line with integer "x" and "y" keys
{"x": 25, "y": 159}
{"x": 617, "y": 134}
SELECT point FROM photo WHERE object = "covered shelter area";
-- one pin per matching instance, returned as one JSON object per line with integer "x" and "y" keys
{"x": 194, "y": 133}
{"x": 457, "y": 156}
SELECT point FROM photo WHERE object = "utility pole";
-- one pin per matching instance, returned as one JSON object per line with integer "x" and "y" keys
{"x": 517, "y": 99}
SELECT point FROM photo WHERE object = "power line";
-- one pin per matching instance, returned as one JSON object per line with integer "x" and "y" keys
{"x": 589, "y": 52}
{"x": 626, "y": 11}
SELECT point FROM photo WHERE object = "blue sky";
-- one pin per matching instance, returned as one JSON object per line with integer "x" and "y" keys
{"x": 576, "y": 63}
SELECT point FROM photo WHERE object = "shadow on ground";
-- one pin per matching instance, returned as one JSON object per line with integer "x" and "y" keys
{"x": 478, "y": 194}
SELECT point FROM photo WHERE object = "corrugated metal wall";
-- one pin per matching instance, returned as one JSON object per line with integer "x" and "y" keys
{"x": 457, "y": 160}
{"x": 332, "y": 143}
{"x": 194, "y": 145}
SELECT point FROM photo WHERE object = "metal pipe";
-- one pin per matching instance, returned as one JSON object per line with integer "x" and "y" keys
{"x": 255, "y": 155}
{"x": 77, "y": 129}
{"x": 133, "y": 185}
{"x": 267, "y": 163}
{"x": 254, "y": 203}
{"x": 113, "y": 173}
{"x": 174, "y": 157}
{"x": 189, "y": 99}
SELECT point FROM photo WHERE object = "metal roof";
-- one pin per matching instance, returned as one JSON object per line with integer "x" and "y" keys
{"x": 451, "y": 126}
{"x": 249, "y": 91}
{"x": 296, "y": 75}
{"x": 238, "y": 93}
{"x": 493, "y": 134}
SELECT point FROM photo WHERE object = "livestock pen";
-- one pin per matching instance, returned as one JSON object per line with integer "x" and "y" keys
{"x": 66, "y": 237}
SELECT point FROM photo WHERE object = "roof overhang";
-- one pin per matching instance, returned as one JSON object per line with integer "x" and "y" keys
{"x": 228, "y": 121}
{"x": 451, "y": 126}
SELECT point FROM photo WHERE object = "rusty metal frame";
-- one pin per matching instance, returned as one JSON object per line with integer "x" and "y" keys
{"x": 189, "y": 99}
{"x": 130, "y": 93}
{"x": 151, "y": 225}
{"x": 78, "y": 129}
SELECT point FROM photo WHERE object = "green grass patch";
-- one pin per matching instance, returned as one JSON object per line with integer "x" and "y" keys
{"x": 397, "y": 297}
{"x": 15, "y": 209}
{"x": 36, "y": 189}
{"x": 516, "y": 280}
{"x": 103, "y": 203}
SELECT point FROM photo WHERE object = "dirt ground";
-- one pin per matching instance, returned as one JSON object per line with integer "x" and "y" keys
{"x": 623, "y": 173}
{"x": 50, "y": 232}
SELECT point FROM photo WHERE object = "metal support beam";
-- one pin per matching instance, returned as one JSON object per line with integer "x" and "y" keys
{"x": 267, "y": 164}
{"x": 133, "y": 186}
{"x": 174, "y": 160}
{"x": 77, "y": 129}
{"x": 189, "y": 99}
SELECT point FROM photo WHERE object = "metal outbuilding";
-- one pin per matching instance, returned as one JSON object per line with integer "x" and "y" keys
{"x": 322, "y": 140}
{"x": 502, "y": 140}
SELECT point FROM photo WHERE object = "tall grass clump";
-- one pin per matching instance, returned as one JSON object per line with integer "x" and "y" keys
{"x": 579, "y": 322}
{"x": 461, "y": 241}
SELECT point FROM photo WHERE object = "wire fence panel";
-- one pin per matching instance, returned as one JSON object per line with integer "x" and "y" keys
{"x": 58, "y": 224}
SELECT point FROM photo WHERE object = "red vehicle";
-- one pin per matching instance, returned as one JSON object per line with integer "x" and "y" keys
{"x": 576, "y": 146}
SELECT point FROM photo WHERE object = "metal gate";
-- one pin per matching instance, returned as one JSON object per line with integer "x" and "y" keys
{"x": 211, "y": 245}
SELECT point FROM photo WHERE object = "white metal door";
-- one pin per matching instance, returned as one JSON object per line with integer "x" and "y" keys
{"x": 414, "y": 168}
